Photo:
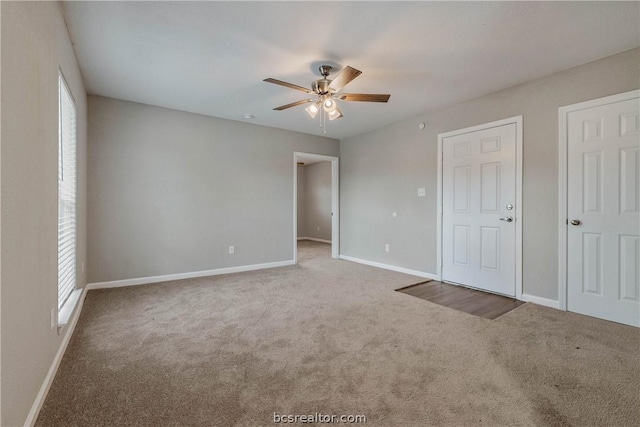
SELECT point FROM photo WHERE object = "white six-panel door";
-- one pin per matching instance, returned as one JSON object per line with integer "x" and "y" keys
{"x": 479, "y": 209}
{"x": 603, "y": 205}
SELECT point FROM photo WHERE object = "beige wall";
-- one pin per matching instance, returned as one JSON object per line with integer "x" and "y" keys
{"x": 380, "y": 171}
{"x": 35, "y": 44}
{"x": 170, "y": 191}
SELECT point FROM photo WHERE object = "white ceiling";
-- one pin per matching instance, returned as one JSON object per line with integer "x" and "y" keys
{"x": 211, "y": 57}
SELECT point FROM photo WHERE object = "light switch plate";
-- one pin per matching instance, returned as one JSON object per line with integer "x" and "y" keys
{"x": 421, "y": 192}
{"x": 232, "y": 250}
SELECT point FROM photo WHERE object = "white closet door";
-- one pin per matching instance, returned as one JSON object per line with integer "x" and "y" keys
{"x": 603, "y": 242}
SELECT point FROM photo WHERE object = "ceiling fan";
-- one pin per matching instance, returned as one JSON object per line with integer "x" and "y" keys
{"x": 327, "y": 93}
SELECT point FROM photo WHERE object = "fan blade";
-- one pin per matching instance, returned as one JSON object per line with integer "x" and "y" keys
{"x": 289, "y": 85}
{"x": 344, "y": 77}
{"x": 293, "y": 104}
{"x": 365, "y": 97}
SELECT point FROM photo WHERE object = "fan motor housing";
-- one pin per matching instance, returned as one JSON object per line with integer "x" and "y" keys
{"x": 321, "y": 87}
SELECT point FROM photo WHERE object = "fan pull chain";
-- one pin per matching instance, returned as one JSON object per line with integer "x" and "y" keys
{"x": 324, "y": 116}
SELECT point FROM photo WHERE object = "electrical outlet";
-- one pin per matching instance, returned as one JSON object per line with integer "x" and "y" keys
{"x": 421, "y": 192}
{"x": 387, "y": 248}
{"x": 53, "y": 318}
{"x": 232, "y": 249}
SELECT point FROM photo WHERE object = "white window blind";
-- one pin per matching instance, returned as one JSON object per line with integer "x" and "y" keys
{"x": 67, "y": 162}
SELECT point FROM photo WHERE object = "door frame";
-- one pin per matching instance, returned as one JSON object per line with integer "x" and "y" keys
{"x": 517, "y": 120}
{"x": 563, "y": 182}
{"x": 335, "y": 201}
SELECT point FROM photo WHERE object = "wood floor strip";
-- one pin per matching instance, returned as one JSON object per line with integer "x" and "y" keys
{"x": 478, "y": 303}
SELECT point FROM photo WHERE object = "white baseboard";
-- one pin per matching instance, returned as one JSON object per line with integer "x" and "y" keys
{"x": 189, "y": 275}
{"x": 53, "y": 369}
{"x": 313, "y": 239}
{"x": 541, "y": 301}
{"x": 390, "y": 267}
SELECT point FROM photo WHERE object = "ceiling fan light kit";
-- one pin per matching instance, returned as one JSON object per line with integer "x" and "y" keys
{"x": 313, "y": 109}
{"x": 334, "y": 114}
{"x": 327, "y": 94}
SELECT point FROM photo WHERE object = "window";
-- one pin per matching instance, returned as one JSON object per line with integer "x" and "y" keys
{"x": 67, "y": 162}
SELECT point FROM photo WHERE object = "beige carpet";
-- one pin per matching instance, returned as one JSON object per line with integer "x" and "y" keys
{"x": 333, "y": 337}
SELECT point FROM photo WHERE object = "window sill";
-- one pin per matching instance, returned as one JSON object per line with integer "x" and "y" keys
{"x": 64, "y": 315}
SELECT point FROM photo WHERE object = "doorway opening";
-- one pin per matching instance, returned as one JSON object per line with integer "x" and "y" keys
{"x": 316, "y": 203}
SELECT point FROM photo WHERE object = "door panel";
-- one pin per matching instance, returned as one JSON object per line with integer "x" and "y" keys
{"x": 478, "y": 182}
{"x": 592, "y": 188}
{"x": 461, "y": 245}
{"x": 603, "y": 256}
{"x": 490, "y": 248}
{"x": 629, "y": 180}
{"x": 490, "y": 187}
{"x": 592, "y": 263}
{"x": 629, "y": 261}
{"x": 461, "y": 189}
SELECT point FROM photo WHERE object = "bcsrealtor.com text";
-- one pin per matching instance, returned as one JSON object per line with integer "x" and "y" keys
{"x": 318, "y": 418}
